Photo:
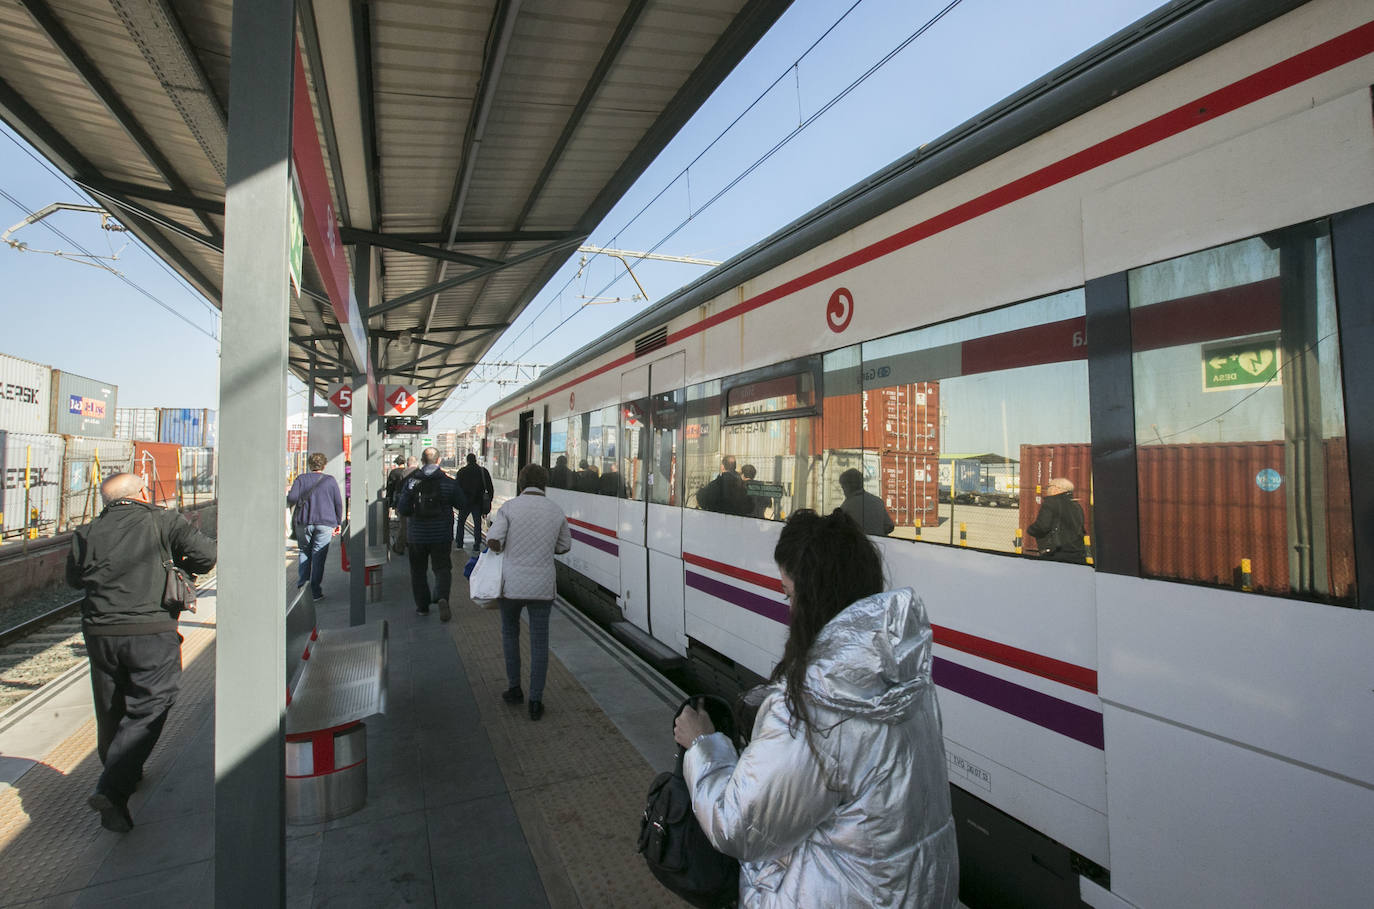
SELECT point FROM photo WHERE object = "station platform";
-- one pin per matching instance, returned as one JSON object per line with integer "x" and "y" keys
{"x": 470, "y": 803}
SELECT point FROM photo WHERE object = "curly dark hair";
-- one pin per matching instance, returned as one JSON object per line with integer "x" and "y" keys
{"x": 832, "y": 563}
{"x": 531, "y": 475}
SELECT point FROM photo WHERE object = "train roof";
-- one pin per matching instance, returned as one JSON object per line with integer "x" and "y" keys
{"x": 1150, "y": 47}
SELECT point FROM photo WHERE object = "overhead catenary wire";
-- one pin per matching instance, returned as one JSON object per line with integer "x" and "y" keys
{"x": 762, "y": 159}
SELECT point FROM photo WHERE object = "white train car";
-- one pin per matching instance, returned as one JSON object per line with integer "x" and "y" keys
{"x": 1148, "y": 272}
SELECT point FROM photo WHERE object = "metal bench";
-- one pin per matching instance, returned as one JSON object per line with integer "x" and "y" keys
{"x": 335, "y": 679}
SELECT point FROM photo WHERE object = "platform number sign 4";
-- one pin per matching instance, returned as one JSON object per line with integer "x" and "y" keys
{"x": 399, "y": 399}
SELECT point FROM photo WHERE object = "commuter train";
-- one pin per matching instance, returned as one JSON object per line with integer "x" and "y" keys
{"x": 1150, "y": 273}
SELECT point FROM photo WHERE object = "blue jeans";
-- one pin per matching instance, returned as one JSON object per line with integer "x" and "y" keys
{"x": 539, "y": 642}
{"x": 314, "y": 551}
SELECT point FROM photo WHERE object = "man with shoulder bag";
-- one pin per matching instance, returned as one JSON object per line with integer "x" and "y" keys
{"x": 475, "y": 482}
{"x": 131, "y": 630}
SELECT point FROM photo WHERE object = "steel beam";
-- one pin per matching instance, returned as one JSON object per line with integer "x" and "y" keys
{"x": 362, "y": 477}
{"x": 486, "y": 236}
{"x": 476, "y": 274}
{"x": 352, "y": 235}
{"x": 250, "y": 671}
{"x": 118, "y": 188}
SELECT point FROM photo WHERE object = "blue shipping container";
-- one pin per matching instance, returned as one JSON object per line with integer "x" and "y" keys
{"x": 193, "y": 426}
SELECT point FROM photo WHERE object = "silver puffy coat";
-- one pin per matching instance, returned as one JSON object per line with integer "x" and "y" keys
{"x": 862, "y": 816}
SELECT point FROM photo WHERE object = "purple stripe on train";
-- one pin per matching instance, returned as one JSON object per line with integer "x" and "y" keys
{"x": 1068, "y": 719}
{"x": 597, "y": 542}
{"x": 765, "y": 607}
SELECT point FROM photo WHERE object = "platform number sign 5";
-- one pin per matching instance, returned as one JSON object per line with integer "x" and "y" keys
{"x": 341, "y": 396}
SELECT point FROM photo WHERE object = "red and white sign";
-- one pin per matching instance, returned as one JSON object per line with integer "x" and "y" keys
{"x": 397, "y": 400}
{"x": 839, "y": 310}
{"x": 341, "y": 396}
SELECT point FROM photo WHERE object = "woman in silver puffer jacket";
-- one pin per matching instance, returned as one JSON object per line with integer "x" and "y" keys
{"x": 841, "y": 797}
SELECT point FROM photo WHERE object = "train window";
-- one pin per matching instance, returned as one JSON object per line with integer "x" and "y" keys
{"x": 842, "y": 430}
{"x": 634, "y": 445}
{"x": 760, "y": 460}
{"x": 503, "y": 453}
{"x": 1240, "y": 426}
{"x": 597, "y": 469}
{"x": 560, "y": 476}
{"x": 665, "y": 450}
{"x": 963, "y": 426}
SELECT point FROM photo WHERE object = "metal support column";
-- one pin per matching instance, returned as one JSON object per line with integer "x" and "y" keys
{"x": 250, "y": 670}
{"x": 357, "y": 504}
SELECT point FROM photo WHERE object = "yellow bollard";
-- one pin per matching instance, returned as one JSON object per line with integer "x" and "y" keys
{"x": 917, "y": 525}
{"x": 1088, "y": 548}
{"x": 1245, "y": 575}
{"x": 963, "y": 534}
{"x": 1016, "y": 543}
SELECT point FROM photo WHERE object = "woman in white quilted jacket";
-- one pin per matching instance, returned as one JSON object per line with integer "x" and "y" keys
{"x": 529, "y": 530}
{"x": 840, "y": 798}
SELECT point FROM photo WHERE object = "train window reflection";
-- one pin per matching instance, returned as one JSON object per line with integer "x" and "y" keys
{"x": 559, "y": 475}
{"x": 634, "y": 443}
{"x": 1240, "y": 426}
{"x": 774, "y": 395}
{"x": 665, "y": 473}
{"x": 957, "y": 430}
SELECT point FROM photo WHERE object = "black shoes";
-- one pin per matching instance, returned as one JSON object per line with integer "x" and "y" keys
{"x": 444, "y": 612}
{"x": 113, "y": 815}
{"x": 424, "y": 611}
{"x": 514, "y": 695}
{"x": 536, "y": 709}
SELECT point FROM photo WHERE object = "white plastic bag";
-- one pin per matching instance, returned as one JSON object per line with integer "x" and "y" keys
{"x": 484, "y": 586}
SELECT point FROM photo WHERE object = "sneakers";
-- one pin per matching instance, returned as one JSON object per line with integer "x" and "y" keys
{"x": 536, "y": 709}
{"x": 113, "y": 815}
{"x": 444, "y": 612}
{"x": 513, "y": 695}
{"x": 424, "y": 611}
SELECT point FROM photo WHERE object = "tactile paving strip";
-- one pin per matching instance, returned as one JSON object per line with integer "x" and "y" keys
{"x": 578, "y": 784}
{"x": 49, "y": 837}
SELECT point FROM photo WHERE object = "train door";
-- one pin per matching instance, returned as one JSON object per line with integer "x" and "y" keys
{"x": 630, "y": 522}
{"x": 663, "y": 532}
{"x": 529, "y": 438}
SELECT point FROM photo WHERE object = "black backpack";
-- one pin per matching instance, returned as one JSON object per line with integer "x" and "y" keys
{"x": 671, "y": 840}
{"x": 427, "y": 498}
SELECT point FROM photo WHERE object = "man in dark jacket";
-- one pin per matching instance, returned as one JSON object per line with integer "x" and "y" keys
{"x": 475, "y": 482}
{"x": 1058, "y": 528}
{"x": 428, "y": 499}
{"x": 867, "y": 510}
{"x": 560, "y": 477}
{"x": 727, "y": 493}
{"x": 131, "y": 640}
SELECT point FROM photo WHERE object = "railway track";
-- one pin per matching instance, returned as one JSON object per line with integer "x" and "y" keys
{"x": 41, "y": 647}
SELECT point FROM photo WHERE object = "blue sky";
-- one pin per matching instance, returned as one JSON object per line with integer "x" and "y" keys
{"x": 87, "y": 320}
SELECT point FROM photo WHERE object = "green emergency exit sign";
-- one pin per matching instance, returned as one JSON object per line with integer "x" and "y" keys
{"x": 1246, "y": 363}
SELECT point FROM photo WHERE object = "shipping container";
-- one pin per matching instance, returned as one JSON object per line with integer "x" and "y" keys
{"x": 187, "y": 426}
{"x": 908, "y": 486}
{"x": 25, "y": 395}
{"x": 82, "y": 406}
{"x": 197, "y": 475}
{"x": 158, "y": 463}
{"x": 1206, "y": 507}
{"x": 86, "y": 462}
{"x": 1041, "y": 463}
{"x": 898, "y": 418}
{"x": 137, "y": 424}
{"x": 295, "y": 440}
{"x": 31, "y": 464}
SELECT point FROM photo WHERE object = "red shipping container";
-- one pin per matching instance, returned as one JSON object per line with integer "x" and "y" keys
{"x": 1040, "y": 464}
{"x": 348, "y": 447}
{"x": 908, "y": 484}
{"x": 898, "y": 418}
{"x": 1340, "y": 521}
{"x": 295, "y": 440}
{"x": 158, "y": 464}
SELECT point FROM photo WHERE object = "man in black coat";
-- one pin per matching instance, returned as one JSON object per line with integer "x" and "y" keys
{"x": 131, "y": 640}
{"x": 475, "y": 482}
{"x": 428, "y": 499}
{"x": 559, "y": 476}
{"x": 1058, "y": 528}
{"x": 727, "y": 493}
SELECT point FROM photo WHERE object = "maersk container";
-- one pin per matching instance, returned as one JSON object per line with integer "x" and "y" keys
{"x": 86, "y": 463}
{"x": 31, "y": 498}
{"x": 25, "y": 395}
{"x": 137, "y": 424}
{"x": 187, "y": 426}
{"x": 82, "y": 406}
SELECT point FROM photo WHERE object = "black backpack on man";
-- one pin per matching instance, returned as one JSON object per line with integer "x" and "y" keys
{"x": 673, "y": 843}
{"x": 427, "y": 501}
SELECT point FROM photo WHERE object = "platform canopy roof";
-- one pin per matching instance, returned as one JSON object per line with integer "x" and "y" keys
{"x": 472, "y": 143}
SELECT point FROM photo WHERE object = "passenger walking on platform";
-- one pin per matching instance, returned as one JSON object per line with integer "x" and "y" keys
{"x": 318, "y": 513}
{"x": 428, "y": 498}
{"x": 841, "y": 796}
{"x": 867, "y": 510}
{"x": 131, "y": 639}
{"x": 475, "y": 482}
{"x": 1058, "y": 527}
{"x": 530, "y": 530}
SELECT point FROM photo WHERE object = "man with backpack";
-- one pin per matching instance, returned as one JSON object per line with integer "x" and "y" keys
{"x": 427, "y": 500}
{"x": 475, "y": 482}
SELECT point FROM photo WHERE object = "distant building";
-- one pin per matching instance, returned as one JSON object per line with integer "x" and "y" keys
{"x": 447, "y": 443}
